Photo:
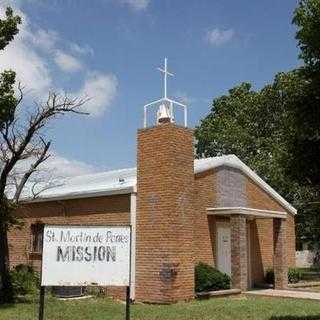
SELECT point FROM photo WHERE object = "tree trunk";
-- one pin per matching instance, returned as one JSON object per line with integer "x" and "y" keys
{"x": 6, "y": 290}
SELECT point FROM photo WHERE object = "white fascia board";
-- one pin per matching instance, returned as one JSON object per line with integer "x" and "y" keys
{"x": 90, "y": 194}
{"x": 258, "y": 213}
{"x": 234, "y": 162}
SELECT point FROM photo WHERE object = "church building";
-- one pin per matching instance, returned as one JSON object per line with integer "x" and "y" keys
{"x": 182, "y": 211}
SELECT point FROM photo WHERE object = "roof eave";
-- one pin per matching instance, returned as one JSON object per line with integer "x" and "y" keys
{"x": 234, "y": 162}
{"x": 71, "y": 196}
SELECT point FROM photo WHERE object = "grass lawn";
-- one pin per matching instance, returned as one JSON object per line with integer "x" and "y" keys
{"x": 220, "y": 308}
{"x": 310, "y": 274}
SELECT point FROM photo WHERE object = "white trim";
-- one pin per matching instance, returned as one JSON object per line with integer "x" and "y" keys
{"x": 226, "y": 211}
{"x": 249, "y": 250}
{"x": 233, "y": 161}
{"x": 156, "y": 103}
{"x": 93, "y": 194}
{"x": 133, "y": 217}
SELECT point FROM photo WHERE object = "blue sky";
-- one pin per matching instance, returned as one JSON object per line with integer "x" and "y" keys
{"x": 109, "y": 50}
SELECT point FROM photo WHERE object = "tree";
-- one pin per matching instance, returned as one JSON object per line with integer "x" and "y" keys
{"x": 306, "y": 109}
{"x": 21, "y": 137}
{"x": 304, "y": 166}
{"x": 254, "y": 125}
{"x": 8, "y": 29}
{"x": 307, "y": 18}
{"x": 276, "y": 130}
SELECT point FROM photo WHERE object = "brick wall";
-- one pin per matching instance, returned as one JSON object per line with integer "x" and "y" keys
{"x": 111, "y": 210}
{"x": 164, "y": 256}
{"x": 204, "y": 225}
{"x": 209, "y": 195}
{"x": 230, "y": 187}
{"x": 262, "y": 253}
{"x": 173, "y": 228}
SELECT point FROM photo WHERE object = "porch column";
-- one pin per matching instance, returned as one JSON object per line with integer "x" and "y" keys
{"x": 280, "y": 264}
{"x": 239, "y": 261}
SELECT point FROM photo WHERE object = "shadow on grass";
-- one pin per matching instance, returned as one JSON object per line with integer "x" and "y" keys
{"x": 6, "y": 306}
{"x": 28, "y": 299}
{"x": 295, "y": 317}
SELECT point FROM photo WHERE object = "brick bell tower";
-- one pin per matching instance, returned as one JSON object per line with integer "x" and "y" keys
{"x": 165, "y": 179}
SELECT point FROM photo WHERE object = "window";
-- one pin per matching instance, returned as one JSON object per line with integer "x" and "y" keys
{"x": 36, "y": 237}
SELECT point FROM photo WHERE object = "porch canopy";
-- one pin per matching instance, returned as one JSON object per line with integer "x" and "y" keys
{"x": 247, "y": 212}
{"x": 239, "y": 243}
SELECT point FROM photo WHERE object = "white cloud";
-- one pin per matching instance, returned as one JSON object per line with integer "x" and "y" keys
{"x": 31, "y": 55}
{"x": 219, "y": 37}
{"x": 137, "y": 5}
{"x": 183, "y": 97}
{"x": 55, "y": 166}
{"x": 67, "y": 62}
{"x": 82, "y": 50}
{"x": 20, "y": 55}
{"x": 49, "y": 174}
{"x": 63, "y": 167}
{"x": 44, "y": 39}
{"x": 101, "y": 89}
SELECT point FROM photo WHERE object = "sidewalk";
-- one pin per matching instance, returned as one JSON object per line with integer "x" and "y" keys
{"x": 285, "y": 294}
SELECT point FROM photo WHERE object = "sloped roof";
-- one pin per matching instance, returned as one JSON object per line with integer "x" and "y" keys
{"x": 124, "y": 181}
{"x": 90, "y": 185}
{"x": 234, "y": 162}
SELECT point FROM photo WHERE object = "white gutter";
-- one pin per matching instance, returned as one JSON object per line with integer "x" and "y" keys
{"x": 257, "y": 213}
{"x": 79, "y": 195}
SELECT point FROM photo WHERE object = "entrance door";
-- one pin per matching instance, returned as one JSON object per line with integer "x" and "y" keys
{"x": 224, "y": 248}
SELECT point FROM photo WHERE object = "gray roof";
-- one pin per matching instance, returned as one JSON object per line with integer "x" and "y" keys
{"x": 124, "y": 181}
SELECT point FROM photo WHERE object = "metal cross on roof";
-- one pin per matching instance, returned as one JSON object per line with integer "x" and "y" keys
{"x": 165, "y": 101}
{"x": 165, "y": 73}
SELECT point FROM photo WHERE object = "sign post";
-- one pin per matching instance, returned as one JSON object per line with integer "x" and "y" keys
{"x": 128, "y": 303}
{"x": 86, "y": 256}
{"x": 41, "y": 302}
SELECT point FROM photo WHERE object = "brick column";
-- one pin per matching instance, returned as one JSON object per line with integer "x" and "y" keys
{"x": 239, "y": 259}
{"x": 165, "y": 177}
{"x": 280, "y": 264}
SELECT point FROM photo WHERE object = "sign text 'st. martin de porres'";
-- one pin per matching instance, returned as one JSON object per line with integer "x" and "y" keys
{"x": 86, "y": 247}
{"x": 86, "y": 255}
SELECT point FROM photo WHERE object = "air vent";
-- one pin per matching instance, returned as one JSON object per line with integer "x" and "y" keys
{"x": 68, "y": 292}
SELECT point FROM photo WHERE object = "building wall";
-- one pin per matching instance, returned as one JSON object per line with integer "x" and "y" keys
{"x": 204, "y": 225}
{"x": 211, "y": 190}
{"x": 259, "y": 199}
{"x": 172, "y": 213}
{"x": 111, "y": 210}
{"x": 230, "y": 186}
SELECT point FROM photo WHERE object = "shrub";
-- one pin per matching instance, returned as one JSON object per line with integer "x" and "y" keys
{"x": 269, "y": 276}
{"x": 24, "y": 280}
{"x": 208, "y": 278}
{"x": 294, "y": 275}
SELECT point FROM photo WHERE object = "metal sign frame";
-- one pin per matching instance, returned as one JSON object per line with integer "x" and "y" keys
{"x": 128, "y": 288}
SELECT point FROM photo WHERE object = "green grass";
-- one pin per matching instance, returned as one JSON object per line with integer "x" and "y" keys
{"x": 220, "y": 308}
{"x": 310, "y": 274}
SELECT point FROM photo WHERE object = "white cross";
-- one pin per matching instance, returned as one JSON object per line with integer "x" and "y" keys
{"x": 165, "y": 72}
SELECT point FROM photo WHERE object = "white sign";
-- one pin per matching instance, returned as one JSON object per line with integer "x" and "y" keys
{"x": 86, "y": 255}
